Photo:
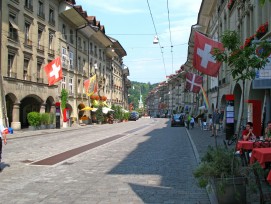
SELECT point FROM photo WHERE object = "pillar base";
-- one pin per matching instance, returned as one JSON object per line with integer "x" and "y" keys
{"x": 16, "y": 125}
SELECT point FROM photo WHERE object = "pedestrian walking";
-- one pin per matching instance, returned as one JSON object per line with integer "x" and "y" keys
{"x": 2, "y": 138}
{"x": 192, "y": 122}
{"x": 216, "y": 122}
{"x": 188, "y": 121}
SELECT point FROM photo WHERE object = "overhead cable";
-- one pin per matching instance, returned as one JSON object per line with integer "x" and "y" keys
{"x": 157, "y": 36}
{"x": 170, "y": 37}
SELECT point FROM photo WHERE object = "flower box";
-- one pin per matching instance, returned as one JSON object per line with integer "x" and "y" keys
{"x": 230, "y": 4}
{"x": 262, "y": 30}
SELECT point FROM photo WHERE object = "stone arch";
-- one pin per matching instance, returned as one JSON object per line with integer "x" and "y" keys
{"x": 70, "y": 109}
{"x": 28, "y": 104}
{"x": 49, "y": 104}
{"x": 213, "y": 108}
{"x": 10, "y": 99}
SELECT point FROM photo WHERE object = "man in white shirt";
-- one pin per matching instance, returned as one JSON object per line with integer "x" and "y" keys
{"x": 2, "y": 137}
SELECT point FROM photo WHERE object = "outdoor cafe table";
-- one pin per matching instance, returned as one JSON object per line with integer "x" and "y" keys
{"x": 262, "y": 155}
{"x": 244, "y": 145}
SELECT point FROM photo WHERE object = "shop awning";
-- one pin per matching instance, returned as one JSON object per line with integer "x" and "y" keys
{"x": 106, "y": 110}
{"x": 87, "y": 108}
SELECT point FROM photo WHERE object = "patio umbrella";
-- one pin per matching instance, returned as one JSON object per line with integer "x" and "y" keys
{"x": 106, "y": 110}
{"x": 87, "y": 108}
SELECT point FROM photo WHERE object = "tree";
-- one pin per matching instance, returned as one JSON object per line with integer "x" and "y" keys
{"x": 241, "y": 59}
{"x": 64, "y": 98}
{"x": 262, "y": 2}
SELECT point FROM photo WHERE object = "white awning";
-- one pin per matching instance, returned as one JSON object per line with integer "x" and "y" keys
{"x": 106, "y": 110}
{"x": 14, "y": 25}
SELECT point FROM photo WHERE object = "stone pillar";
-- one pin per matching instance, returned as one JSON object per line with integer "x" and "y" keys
{"x": 42, "y": 108}
{"x": 53, "y": 109}
{"x": 16, "y": 124}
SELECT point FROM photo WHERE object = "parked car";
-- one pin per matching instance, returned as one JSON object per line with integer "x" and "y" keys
{"x": 134, "y": 116}
{"x": 177, "y": 120}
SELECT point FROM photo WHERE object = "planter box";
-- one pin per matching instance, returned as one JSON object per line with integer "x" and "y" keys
{"x": 234, "y": 190}
{"x": 42, "y": 127}
{"x": 33, "y": 128}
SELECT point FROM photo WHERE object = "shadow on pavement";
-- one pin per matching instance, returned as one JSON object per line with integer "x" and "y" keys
{"x": 165, "y": 162}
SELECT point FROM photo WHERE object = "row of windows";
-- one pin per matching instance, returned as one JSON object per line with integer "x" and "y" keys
{"x": 28, "y": 4}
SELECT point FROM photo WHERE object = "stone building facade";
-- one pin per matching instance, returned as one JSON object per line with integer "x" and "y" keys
{"x": 36, "y": 32}
{"x": 214, "y": 18}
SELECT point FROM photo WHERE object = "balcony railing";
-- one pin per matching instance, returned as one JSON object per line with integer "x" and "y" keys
{"x": 41, "y": 14}
{"x": 27, "y": 77}
{"x": 12, "y": 75}
{"x": 40, "y": 48}
{"x": 29, "y": 7}
{"x": 13, "y": 36}
{"x": 40, "y": 80}
{"x": 52, "y": 21}
{"x": 51, "y": 52}
{"x": 28, "y": 43}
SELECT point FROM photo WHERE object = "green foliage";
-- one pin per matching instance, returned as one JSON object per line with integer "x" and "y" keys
{"x": 45, "y": 118}
{"x": 118, "y": 113}
{"x": 140, "y": 111}
{"x": 100, "y": 114}
{"x": 64, "y": 98}
{"x": 262, "y": 2}
{"x": 126, "y": 116}
{"x": 52, "y": 118}
{"x": 241, "y": 59}
{"x": 34, "y": 118}
{"x": 217, "y": 163}
{"x": 134, "y": 93}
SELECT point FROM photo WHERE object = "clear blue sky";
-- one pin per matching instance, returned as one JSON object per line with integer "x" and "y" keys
{"x": 130, "y": 22}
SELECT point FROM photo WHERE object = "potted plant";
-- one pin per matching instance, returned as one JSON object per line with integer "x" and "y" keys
{"x": 223, "y": 175}
{"x": 52, "y": 118}
{"x": 33, "y": 119}
{"x": 100, "y": 115}
{"x": 44, "y": 120}
{"x": 126, "y": 116}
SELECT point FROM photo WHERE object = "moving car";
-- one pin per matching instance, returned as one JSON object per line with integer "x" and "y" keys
{"x": 177, "y": 120}
{"x": 134, "y": 116}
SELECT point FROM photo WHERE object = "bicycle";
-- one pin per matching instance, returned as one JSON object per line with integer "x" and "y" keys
{"x": 235, "y": 137}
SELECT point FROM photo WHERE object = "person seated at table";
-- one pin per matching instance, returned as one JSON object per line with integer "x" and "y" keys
{"x": 248, "y": 132}
{"x": 268, "y": 131}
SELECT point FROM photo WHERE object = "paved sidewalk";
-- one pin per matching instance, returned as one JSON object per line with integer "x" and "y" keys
{"x": 27, "y": 133}
{"x": 201, "y": 139}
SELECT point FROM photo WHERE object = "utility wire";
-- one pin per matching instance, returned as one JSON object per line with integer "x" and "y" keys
{"x": 158, "y": 38}
{"x": 170, "y": 38}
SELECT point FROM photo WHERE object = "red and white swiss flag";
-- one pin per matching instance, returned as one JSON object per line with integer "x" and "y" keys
{"x": 203, "y": 59}
{"x": 53, "y": 71}
{"x": 193, "y": 82}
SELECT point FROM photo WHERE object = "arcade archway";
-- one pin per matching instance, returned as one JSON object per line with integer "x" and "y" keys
{"x": 29, "y": 104}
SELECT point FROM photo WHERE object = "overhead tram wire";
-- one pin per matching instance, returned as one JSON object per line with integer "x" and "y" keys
{"x": 169, "y": 27}
{"x": 158, "y": 40}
